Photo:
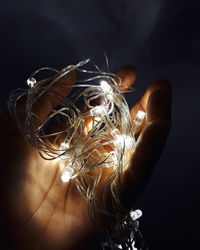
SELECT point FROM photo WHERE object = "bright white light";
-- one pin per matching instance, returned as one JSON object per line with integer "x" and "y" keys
{"x": 136, "y": 214}
{"x": 115, "y": 133}
{"x": 63, "y": 147}
{"x": 66, "y": 176}
{"x": 122, "y": 140}
{"x": 98, "y": 110}
{"x": 129, "y": 142}
{"x": 140, "y": 116}
{"x": 111, "y": 159}
{"x": 97, "y": 119}
{"x": 31, "y": 82}
{"x": 106, "y": 86}
{"x": 133, "y": 246}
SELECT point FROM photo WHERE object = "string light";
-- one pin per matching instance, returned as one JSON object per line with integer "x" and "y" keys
{"x": 86, "y": 139}
{"x": 135, "y": 215}
{"x": 67, "y": 175}
{"x": 106, "y": 87}
{"x": 31, "y": 82}
{"x": 138, "y": 120}
{"x": 63, "y": 147}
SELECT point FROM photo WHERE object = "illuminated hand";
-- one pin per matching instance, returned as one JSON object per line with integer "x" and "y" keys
{"x": 40, "y": 211}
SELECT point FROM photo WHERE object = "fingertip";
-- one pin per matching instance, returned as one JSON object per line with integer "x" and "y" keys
{"x": 159, "y": 105}
{"x": 160, "y": 83}
{"x": 127, "y": 75}
{"x": 148, "y": 151}
{"x": 66, "y": 80}
{"x": 151, "y": 141}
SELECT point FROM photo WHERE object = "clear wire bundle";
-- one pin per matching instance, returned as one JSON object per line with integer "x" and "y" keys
{"x": 89, "y": 132}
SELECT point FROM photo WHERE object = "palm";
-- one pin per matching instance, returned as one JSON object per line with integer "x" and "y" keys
{"x": 42, "y": 210}
{"x": 45, "y": 213}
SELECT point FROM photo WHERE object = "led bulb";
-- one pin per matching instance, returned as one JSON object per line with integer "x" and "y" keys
{"x": 122, "y": 140}
{"x": 63, "y": 147}
{"x": 115, "y": 132}
{"x": 138, "y": 120}
{"x": 139, "y": 117}
{"x": 111, "y": 159}
{"x": 136, "y": 214}
{"x": 129, "y": 142}
{"x": 66, "y": 176}
{"x": 31, "y": 82}
{"x": 98, "y": 110}
{"x": 133, "y": 246}
{"x": 105, "y": 86}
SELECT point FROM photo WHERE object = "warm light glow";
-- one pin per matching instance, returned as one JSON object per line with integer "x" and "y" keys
{"x": 89, "y": 125}
{"x": 87, "y": 139}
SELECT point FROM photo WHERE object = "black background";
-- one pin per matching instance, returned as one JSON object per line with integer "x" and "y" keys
{"x": 162, "y": 39}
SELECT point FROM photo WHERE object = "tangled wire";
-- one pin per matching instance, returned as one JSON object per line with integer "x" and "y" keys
{"x": 88, "y": 131}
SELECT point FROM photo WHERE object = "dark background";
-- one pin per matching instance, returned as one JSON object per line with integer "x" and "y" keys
{"x": 162, "y": 39}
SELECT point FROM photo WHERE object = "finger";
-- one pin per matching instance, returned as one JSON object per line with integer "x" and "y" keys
{"x": 127, "y": 74}
{"x": 159, "y": 106}
{"x": 155, "y": 85}
{"x": 163, "y": 89}
{"x": 55, "y": 96}
{"x": 125, "y": 77}
{"x": 149, "y": 147}
{"x": 152, "y": 139}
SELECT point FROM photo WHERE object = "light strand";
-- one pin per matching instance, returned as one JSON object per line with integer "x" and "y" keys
{"x": 92, "y": 130}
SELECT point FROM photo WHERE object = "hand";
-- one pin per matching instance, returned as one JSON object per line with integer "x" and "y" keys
{"x": 40, "y": 211}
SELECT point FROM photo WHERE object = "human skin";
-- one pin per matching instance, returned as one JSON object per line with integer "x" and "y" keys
{"x": 40, "y": 211}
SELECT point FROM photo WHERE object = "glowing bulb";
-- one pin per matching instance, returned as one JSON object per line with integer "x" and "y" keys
{"x": 66, "y": 176}
{"x": 139, "y": 117}
{"x": 111, "y": 159}
{"x": 98, "y": 110}
{"x": 129, "y": 142}
{"x": 122, "y": 140}
{"x": 105, "y": 86}
{"x": 133, "y": 246}
{"x": 63, "y": 147}
{"x": 115, "y": 132}
{"x": 138, "y": 120}
{"x": 87, "y": 136}
{"x": 97, "y": 119}
{"x": 136, "y": 214}
{"x": 31, "y": 82}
